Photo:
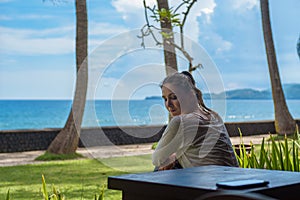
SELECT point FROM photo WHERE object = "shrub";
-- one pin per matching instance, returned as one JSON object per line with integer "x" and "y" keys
{"x": 274, "y": 155}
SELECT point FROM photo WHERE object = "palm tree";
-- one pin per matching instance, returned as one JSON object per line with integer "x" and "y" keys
{"x": 169, "y": 49}
{"x": 169, "y": 18}
{"x": 284, "y": 122}
{"x": 298, "y": 46}
{"x": 66, "y": 141}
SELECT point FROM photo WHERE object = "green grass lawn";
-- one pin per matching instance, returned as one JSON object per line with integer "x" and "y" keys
{"x": 76, "y": 179}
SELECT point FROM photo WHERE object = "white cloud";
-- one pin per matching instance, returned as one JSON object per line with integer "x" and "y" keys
{"x": 28, "y": 41}
{"x": 59, "y": 40}
{"x": 138, "y": 82}
{"x": 5, "y": 18}
{"x": 201, "y": 8}
{"x": 33, "y": 17}
{"x": 66, "y": 30}
{"x": 218, "y": 43}
{"x": 5, "y": 1}
{"x": 131, "y": 8}
{"x": 125, "y": 6}
{"x": 25, "y": 17}
{"x": 99, "y": 32}
{"x": 223, "y": 46}
{"x": 37, "y": 84}
{"x": 244, "y": 5}
{"x": 288, "y": 64}
{"x": 105, "y": 29}
{"x": 134, "y": 10}
{"x": 236, "y": 80}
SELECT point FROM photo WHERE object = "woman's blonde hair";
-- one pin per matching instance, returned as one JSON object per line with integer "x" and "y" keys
{"x": 185, "y": 80}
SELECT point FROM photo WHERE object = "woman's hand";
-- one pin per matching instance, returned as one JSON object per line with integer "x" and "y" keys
{"x": 170, "y": 166}
{"x": 171, "y": 163}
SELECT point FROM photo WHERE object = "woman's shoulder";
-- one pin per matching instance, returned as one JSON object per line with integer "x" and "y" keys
{"x": 173, "y": 125}
{"x": 216, "y": 118}
{"x": 211, "y": 118}
{"x": 176, "y": 119}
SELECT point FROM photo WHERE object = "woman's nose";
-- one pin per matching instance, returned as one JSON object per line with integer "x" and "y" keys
{"x": 169, "y": 103}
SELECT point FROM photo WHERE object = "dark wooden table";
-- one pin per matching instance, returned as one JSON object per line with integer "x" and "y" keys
{"x": 191, "y": 183}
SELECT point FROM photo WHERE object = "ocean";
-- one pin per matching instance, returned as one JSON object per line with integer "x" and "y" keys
{"x": 41, "y": 114}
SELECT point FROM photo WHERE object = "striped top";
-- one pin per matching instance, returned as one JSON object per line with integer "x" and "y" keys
{"x": 195, "y": 141}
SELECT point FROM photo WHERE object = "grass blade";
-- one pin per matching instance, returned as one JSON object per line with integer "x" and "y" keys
{"x": 262, "y": 159}
{"x": 7, "y": 195}
{"x": 45, "y": 193}
{"x": 287, "y": 161}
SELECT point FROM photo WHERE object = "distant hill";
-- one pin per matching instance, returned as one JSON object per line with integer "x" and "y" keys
{"x": 153, "y": 97}
{"x": 291, "y": 91}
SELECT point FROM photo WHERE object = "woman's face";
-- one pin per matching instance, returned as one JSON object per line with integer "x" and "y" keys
{"x": 171, "y": 98}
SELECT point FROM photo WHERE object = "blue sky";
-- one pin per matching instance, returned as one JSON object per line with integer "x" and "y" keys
{"x": 37, "y": 51}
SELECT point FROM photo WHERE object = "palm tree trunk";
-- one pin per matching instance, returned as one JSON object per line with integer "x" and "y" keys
{"x": 66, "y": 141}
{"x": 284, "y": 122}
{"x": 298, "y": 47}
{"x": 169, "y": 49}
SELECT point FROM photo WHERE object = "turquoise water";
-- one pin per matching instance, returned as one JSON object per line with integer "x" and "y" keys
{"x": 40, "y": 114}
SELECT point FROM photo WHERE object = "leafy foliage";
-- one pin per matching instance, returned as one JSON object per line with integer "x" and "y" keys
{"x": 273, "y": 155}
{"x": 174, "y": 18}
{"x": 168, "y": 15}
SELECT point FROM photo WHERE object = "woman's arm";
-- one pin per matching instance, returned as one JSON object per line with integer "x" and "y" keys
{"x": 169, "y": 143}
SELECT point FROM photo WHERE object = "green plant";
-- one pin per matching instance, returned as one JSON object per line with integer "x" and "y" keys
{"x": 56, "y": 195}
{"x": 154, "y": 145}
{"x": 276, "y": 155}
{"x": 165, "y": 14}
{"x": 101, "y": 193}
{"x": 8, "y": 195}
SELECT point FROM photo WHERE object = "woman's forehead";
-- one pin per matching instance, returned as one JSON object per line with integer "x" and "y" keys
{"x": 170, "y": 88}
{"x": 166, "y": 89}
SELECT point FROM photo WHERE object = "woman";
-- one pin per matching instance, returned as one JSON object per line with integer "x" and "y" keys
{"x": 195, "y": 135}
